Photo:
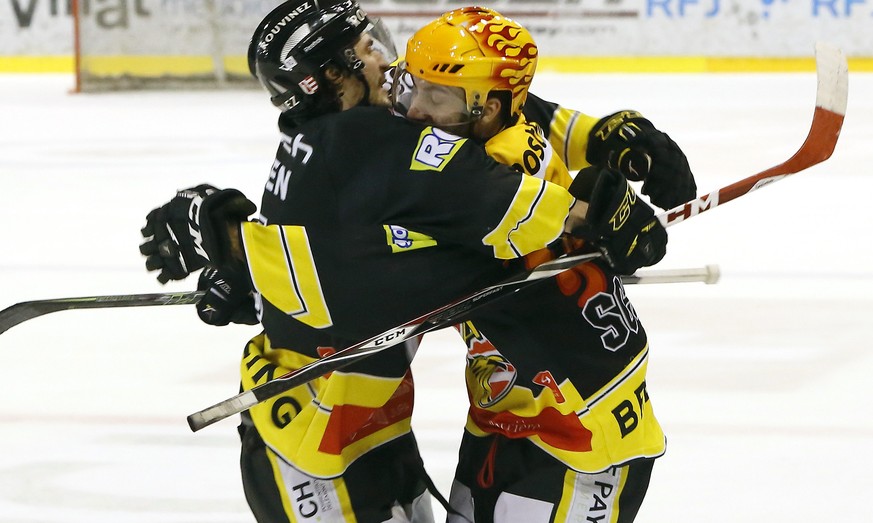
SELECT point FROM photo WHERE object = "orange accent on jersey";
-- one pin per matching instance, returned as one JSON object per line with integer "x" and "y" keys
{"x": 596, "y": 282}
{"x": 546, "y": 379}
{"x": 572, "y": 280}
{"x": 324, "y": 352}
{"x": 351, "y": 423}
{"x": 537, "y": 257}
{"x": 561, "y": 431}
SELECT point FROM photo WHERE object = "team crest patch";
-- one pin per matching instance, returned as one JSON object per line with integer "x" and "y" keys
{"x": 402, "y": 239}
{"x": 435, "y": 150}
{"x": 495, "y": 376}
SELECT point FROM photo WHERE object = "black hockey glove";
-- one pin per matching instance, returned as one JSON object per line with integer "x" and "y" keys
{"x": 228, "y": 298}
{"x": 181, "y": 236}
{"x": 620, "y": 224}
{"x": 628, "y": 142}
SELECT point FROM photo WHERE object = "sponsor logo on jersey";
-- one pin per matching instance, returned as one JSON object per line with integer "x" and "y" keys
{"x": 402, "y": 239}
{"x": 435, "y": 150}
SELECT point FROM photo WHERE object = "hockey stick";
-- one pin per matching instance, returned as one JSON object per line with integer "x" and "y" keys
{"x": 832, "y": 93}
{"x": 831, "y": 99}
{"x": 435, "y": 320}
{"x": 442, "y": 317}
{"x": 28, "y": 310}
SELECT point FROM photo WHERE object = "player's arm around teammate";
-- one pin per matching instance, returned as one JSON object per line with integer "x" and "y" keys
{"x": 540, "y": 437}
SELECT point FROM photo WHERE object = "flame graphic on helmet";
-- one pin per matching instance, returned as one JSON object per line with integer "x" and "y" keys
{"x": 507, "y": 39}
{"x": 478, "y": 50}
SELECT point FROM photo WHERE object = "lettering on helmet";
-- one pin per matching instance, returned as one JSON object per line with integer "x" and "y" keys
{"x": 305, "y": 6}
{"x": 355, "y": 19}
{"x": 313, "y": 44}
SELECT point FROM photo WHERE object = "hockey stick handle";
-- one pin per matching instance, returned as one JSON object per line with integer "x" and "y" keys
{"x": 708, "y": 274}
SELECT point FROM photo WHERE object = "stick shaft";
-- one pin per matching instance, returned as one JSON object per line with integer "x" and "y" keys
{"x": 709, "y": 274}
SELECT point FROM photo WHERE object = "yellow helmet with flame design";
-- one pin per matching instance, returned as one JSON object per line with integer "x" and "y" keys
{"x": 478, "y": 50}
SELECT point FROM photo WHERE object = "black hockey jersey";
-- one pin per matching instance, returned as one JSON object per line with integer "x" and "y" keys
{"x": 367, "y": 221}
{"x": 563, "y": 363}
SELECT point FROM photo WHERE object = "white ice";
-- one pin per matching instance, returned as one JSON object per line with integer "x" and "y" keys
{"x": 761, "y": 381}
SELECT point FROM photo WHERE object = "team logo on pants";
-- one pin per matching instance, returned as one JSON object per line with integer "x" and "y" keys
{"x": 495, "y": 376}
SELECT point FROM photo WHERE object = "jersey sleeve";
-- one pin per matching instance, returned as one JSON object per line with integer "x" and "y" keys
{"x": 566, "y": 129}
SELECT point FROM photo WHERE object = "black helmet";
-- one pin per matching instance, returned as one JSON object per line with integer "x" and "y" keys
{"x": 293, "y": 44}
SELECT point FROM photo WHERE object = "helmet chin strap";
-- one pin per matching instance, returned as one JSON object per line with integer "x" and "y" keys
{"x": 467, "y": 126}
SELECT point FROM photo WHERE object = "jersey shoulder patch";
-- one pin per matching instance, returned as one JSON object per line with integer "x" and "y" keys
{"x": 435, "y": 150}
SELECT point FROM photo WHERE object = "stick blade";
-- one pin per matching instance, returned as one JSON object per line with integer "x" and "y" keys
{"x": 832, "y": 69}
{"x": 28, "y": 310}
{"x": 24, "y": 311}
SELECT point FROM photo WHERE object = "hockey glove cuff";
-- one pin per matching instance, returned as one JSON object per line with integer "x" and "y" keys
{"x": 221, "y": 214}
{"x": 619, "y": 223}
{"x": 631, "y": 144}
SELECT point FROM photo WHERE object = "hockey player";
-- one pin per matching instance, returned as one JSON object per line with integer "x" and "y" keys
{"x": 327, "y": 437}
{"x": 340, "y": 448}
{"x": 560, "y": 425}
